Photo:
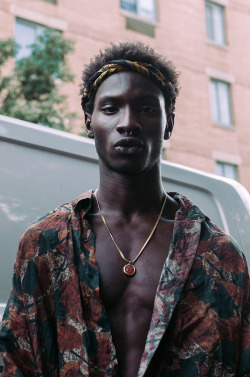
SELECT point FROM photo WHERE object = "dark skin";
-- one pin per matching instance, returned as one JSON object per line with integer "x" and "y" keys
{"x": 130, "y": 195}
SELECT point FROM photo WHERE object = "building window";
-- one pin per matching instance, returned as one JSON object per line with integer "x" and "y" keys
{"x": 26, "y": 33}
{"x": 226, "y": 170}
{"x": 221, "y": 102}
{"x": 215, "y": 23}
{"x": 142, "y": 8}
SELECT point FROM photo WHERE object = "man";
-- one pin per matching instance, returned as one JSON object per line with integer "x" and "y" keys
{"x": 128, "y": 280}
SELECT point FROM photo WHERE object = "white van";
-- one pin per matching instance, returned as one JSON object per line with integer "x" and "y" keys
{"x": 41, "y": 168}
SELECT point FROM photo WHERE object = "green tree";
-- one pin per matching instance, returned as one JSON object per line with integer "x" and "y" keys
{"x": 8, "y": 49}
{"x": 31, "y": 93}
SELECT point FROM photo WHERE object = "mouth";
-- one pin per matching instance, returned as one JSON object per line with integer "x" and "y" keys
{"x": 129, "y": 145}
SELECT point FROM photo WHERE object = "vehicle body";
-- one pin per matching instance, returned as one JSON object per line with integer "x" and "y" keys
{"x": 41, "y": 168}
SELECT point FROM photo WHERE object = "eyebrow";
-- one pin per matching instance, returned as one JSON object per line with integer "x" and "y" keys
{"x": 116, "y": 97}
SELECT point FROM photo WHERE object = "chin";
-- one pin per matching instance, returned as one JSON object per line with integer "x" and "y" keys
{"x": 133, "y": 169}
{"x": 128, "y": 170}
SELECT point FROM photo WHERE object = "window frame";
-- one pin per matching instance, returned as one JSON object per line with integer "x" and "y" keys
{"x": 51, "y": 1}
{"x": 216, "y": 103}
{"x": 38, "y": 29}
{"x": 210, "y": 21}
{"x": 221, "y": 166}
{"x": 135, "y": 14}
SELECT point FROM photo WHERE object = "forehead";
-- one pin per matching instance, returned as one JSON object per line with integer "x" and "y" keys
{"x": 128, "y": 83}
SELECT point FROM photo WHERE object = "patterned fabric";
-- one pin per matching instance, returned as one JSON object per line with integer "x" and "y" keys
{"x": 56, "y": 325}
{"x": 116, "y": 66}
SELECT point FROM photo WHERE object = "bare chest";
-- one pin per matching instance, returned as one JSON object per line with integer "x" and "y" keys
{"x": 115, "y": 285}
{"x": 129, "y": 300}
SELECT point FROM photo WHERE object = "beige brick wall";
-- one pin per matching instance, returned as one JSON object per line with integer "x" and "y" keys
{"x": 180, "y": 34}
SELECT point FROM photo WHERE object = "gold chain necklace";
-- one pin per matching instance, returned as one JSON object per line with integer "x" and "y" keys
{"x": 129, "y": 268}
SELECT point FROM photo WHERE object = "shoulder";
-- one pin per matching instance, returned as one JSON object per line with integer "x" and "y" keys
{"x": 220, "y": 257}
{"x": 216, "y": 247}
{"x": 42, "y": 238}
{"x": 53, "y": 229}
{"x": 222, "y": 248}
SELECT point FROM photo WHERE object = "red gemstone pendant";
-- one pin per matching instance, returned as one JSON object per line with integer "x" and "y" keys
{"x": 129, "y": 270}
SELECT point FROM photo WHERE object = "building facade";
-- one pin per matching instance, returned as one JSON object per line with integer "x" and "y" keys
{"x": 208, "y": 41}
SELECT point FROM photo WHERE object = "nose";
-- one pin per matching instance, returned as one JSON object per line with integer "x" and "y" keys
{"x": 128, "y": 122}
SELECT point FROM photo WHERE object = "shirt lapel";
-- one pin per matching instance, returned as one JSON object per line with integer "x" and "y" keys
{"x": 175, "y": 271}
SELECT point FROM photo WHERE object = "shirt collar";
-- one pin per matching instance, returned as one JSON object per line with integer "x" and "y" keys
{"x": 83, "y": 202}
{"x": 187, "y": 207}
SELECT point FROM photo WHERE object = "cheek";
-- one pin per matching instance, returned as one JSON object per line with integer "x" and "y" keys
{"x": 156, "y": 133}
{"x": 103, "y": 124}
{"x": 157, "y": 142}
{"x": 102, "y": 138}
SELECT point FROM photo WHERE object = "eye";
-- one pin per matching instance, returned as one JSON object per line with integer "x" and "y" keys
{"x": 109, "y": 109}
{"x": 148, "y": 109}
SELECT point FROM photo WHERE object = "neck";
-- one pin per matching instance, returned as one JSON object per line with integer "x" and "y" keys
{"x": 128, "y": 193}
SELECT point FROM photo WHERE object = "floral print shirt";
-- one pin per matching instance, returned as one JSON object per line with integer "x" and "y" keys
{"x": 55, "y": 324}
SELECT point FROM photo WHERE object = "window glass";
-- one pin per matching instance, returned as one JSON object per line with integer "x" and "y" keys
{"x": 214, "y": 102}
{"x": 226, "y": 170}
{"x": 218, "y": 23}
{"x": 143, "y": 8}
{"x": 25, "y": 35}
{"x": 224, "y": 103}
{"x": 215, "y": 24}
{"x": 221, "y": 102}
{"x": 209, "y": 21}
{"x": 219, "y": 169}
{"x": 146, "y": 8}
{"x": 129, "y": 5}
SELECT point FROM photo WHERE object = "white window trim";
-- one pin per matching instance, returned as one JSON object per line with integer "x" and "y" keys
{"x": 224, "y": 3}
{"x": 224, "y": 164}
{"x": 227, "y": 127}
{"x": 218, "y": 75}
{"x": 227, "y": 78}
{"x": 38, "y": 18}
{"x": 227, "y": 158}
{"x": 135, "y": 16}
{"x": 215, "y": 43}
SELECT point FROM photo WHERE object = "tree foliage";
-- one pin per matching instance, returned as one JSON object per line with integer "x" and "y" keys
{"x": 8, "y": 50}
{"x": 31, "y": 93}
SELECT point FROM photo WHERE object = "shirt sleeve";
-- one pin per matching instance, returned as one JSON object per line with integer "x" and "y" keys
{"x": 244, "y": 357}
{"x": 15, "y": 339}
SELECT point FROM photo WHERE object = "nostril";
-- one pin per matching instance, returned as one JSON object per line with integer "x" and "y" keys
{"x": 121, "y": 130}
{"x": 129, "y": 133}
{"x": 130, "y": 129}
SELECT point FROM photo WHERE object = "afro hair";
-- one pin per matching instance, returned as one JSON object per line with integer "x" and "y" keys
{"x": 133, "y": 51}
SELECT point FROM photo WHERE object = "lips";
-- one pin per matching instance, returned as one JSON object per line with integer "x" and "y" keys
{"x": 129, "y": 145}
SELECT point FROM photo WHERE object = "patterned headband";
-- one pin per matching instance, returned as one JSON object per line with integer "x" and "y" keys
{"x": 116, "y": 66}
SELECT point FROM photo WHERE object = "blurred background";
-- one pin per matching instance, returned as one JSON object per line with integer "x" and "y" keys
{"x": 208, "y": 41}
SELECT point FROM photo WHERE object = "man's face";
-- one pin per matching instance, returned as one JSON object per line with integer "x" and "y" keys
{"x": 128, "y": 123}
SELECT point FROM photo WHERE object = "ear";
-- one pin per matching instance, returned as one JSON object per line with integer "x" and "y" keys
{"x": 89, "y": 128}
{"x": 169, "y": 127}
